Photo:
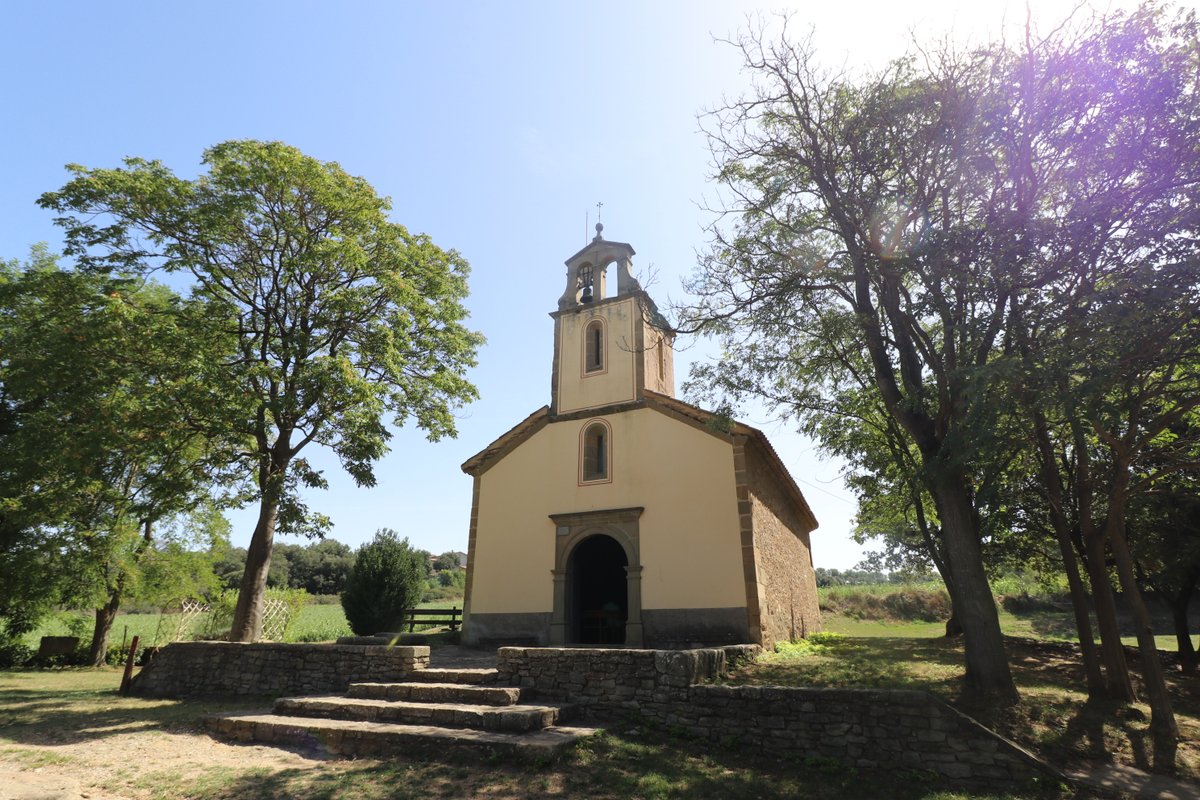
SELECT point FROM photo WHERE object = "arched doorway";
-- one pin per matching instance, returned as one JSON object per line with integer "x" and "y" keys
{"x": 597, "y": 591}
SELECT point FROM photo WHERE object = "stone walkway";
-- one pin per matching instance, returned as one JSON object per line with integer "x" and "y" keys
{"x": 1131, "y": 782}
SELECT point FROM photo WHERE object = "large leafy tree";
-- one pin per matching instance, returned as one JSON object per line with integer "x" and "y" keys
{"x": 104, "y": 385}
{"x": 1106, "y": 162}
{"x": 998, "y": 248}
{"x": 854, "y": 262}
{"x": 340, "y": 314}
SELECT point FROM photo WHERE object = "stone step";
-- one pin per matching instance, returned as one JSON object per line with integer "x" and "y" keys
{"x": 512, "y": 719}
{"x": 437, "y": 693}
{"x": 474, "y": 676}
{"x": 365, "y": 738}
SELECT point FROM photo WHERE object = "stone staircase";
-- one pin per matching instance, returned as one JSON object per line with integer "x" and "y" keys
{"x": 435, "y": 708}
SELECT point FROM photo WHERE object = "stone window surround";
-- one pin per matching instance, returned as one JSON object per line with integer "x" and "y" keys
{"x": 621, "y": 525}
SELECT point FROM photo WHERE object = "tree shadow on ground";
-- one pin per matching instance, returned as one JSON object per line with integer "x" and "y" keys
{"x": 58, "y": 718}
{"x": 634, "y": 761}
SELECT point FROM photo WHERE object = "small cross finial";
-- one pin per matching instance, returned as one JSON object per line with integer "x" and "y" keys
{"x": 599, "y": 224}
{"x": 599, "y": 205}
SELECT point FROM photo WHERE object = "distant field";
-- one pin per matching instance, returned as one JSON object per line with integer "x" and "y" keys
{"x": 1051, "y": 625}
{"x": 316, "y": 623}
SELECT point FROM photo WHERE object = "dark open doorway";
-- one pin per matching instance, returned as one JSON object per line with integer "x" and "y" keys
{"x": 598, "y": 597}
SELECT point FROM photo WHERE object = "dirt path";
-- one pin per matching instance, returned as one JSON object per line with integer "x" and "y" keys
{"x": 88, "y": 768}
{"x": 79, "y": 752}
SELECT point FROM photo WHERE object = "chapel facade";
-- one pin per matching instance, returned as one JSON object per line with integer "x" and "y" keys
{"x": 620, "y": 515}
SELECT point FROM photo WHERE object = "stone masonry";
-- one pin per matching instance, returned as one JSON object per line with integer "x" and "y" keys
{"x": 786, "y": 588}
{"x": 202, "y": 668}
{"x": 886, "y": 729}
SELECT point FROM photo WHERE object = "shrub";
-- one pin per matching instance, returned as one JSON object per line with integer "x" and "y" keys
{"x": 901, "y": 604}
{"x": 14, "y": 652}
{"x": 387, "y": 578}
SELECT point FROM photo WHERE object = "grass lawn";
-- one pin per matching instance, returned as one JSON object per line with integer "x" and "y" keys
{"x": 316, "y": 623}
{"x": 69, "y": 724}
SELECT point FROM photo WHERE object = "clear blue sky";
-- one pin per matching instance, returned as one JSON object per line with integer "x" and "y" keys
{"x": 494, "y": 128}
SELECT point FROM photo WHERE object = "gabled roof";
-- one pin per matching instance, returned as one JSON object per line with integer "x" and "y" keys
{"x": 478, "y": 463}
{"x": 707, "y": 421}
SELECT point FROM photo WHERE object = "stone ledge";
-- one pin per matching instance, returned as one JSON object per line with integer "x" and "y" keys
{"x": 271, "y": 668}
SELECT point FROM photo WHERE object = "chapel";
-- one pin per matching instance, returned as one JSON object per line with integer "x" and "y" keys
{"x": 621, "y": 515}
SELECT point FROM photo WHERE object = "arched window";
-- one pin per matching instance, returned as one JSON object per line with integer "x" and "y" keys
{"x": 596, "y": 452}
{"x": 593, "y": 346}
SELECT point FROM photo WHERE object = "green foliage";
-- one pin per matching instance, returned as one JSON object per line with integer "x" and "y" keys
{"x": 341, "y": 316}
{"x": 815, "y": 643}
{"x": 927, "y": 266}
{"x": 14, "y": 652}
{"x": 895, "y": 604}
{"x": 386, "y": 579}
{"x": 216, "y": 623}
{"x": 218, "y": 619}
{"x": 102, "y": 391}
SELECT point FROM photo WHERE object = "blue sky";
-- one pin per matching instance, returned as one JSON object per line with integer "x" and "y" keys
{"x": 494, "y": 127}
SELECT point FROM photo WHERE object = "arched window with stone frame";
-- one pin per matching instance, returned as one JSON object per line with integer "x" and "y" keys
{"x": 595, "y": 453}
{"x": 594, "y": 347}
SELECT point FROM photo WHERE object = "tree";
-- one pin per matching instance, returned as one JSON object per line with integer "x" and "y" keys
{"x": 318, "y": 568}
{"x": 340, "y": 315}
{"x": 103, "y": 384}
{"x": 386, "y": 579}
{"x": 857, "y": 242}
{"x": 1009, "y": 236}
{"x": 1108, "y": 167}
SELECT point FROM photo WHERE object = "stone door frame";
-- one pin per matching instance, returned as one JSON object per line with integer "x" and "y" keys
{"x": 621, "y": 525}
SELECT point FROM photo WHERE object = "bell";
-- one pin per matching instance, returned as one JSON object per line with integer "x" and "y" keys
{"x": 586, "y": 297}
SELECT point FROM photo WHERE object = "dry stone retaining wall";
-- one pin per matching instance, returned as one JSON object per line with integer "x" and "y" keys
{"x": 199, "y": 668}
{"x": 888, "y": 729}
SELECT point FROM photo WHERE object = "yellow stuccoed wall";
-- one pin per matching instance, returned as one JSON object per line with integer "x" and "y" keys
{"x": 690, "y": 545}
{"x": 577, "y": 389}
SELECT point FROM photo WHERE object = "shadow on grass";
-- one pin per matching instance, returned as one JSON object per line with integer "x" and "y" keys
{"x": 635, "y": 763}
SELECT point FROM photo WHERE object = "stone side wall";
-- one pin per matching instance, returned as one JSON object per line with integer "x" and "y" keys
{"x": 199, "y": 668}
{"x": 885, "y": 729}
{"x": 612, "y": 680}
{"x": 787, "y": 584}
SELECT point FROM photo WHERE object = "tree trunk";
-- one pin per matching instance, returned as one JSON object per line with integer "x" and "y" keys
{"x": 1055, "y": 499}
{"x": 987, "y": 662}
{"x": 1183, "y": 637}
{"x": 1116, "y": 670}
{"x": 247, "y": 618}
{"x": 1163, "y": 728}
{"x": 98, "y": 652}
{"x": 1180, "y": 599}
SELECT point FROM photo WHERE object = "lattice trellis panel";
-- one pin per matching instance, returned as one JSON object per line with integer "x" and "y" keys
{"x": 276, "y": 616}
{"x": 191, "y": 611}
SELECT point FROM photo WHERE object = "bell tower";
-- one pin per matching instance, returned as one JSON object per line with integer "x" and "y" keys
{"x": 608, "y": 350}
